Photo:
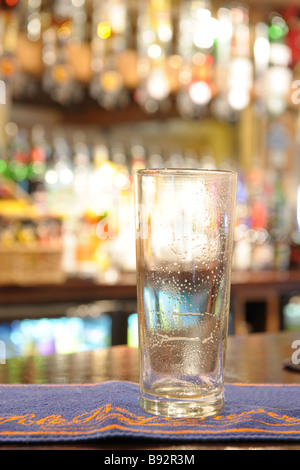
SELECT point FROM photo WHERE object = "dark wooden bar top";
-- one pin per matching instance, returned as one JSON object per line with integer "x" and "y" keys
{"x": 253, "y": 358}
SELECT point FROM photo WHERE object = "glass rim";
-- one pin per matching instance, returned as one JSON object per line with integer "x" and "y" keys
{"x": 182, "y": 172}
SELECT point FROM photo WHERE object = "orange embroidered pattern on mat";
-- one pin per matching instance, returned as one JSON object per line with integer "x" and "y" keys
{"x": 62, "y": 412}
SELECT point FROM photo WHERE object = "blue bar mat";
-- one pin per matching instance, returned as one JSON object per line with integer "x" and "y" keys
{"x": 39, "y": 413}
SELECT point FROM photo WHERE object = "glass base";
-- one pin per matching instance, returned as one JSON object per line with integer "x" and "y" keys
{"x": 188, "y": 408}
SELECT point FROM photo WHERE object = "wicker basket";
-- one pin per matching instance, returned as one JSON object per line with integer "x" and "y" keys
{"x": 27, "y": 266}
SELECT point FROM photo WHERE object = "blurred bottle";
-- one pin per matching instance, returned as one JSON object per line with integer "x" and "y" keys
{"x": 242, "y": 252}
{"x": 137, "y": 157}
{"x": 121, "y": 178}
{"x": 3, "y": 158}
{"x": 175, "y": 159}
{"x": 101, "y": 178}
{"x": 295, "y": 236}
{"x": 97, "y": 225}
{"x": 259, "y": 236}
{"x": 242, "y": 247}
{"x": 121, "y": 249}
{"x": 279, "y": 75}
{"x": 295, "y": 249}
{"x": 118, "y": 155}
{"x": 241, "y": 68}
{"x": 18, "y": 155}
{"x": 40, "y": 151}
{"x": 279, "y": 223}
{"x": 155, "y": 159}
{"x": 191, "y": 159}
{"x": 59, "y": 176}
{"x": 82, "y": 169}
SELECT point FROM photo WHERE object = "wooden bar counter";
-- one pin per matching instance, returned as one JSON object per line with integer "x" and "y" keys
{"x": 253, "y": 358}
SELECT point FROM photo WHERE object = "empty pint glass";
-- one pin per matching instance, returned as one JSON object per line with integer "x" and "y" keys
{"x": 184, "y": 237}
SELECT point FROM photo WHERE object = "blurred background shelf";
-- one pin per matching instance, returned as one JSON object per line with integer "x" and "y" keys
{"x": 272, "y": 289}
{"x": 91, "y": 90}
{"x": 85, "y": 289}
{"x": 70, "y": 290}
